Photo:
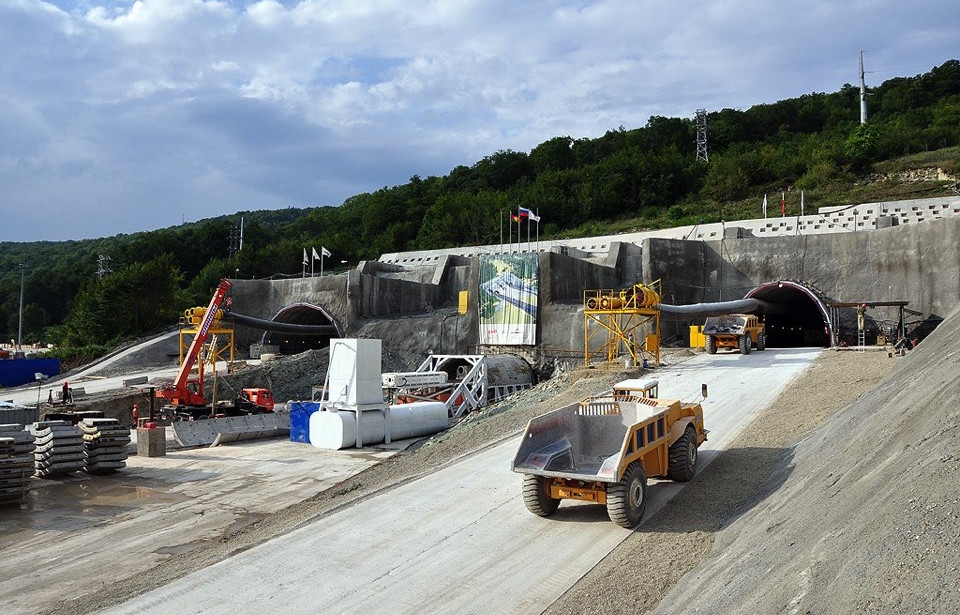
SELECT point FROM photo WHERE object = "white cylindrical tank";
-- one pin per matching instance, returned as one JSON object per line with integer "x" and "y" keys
{"x": 333, "y": 430}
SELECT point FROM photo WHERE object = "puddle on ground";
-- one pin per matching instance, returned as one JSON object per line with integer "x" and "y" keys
{"x": 76, "y": 503}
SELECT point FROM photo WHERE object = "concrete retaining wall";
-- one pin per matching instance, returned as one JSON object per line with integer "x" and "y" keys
{"x": 919, "y": 263}
{"x": 563, "y": 278}
{"x": 916, "y": 262}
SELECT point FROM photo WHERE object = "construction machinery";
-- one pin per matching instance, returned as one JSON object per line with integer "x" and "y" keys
{"x": 630, "y": 318}
{"x": 737, "y": 331}
{"x": 603, "y": 449}
{"x": 186, "y": 394}
{"x": 462, "y": 382}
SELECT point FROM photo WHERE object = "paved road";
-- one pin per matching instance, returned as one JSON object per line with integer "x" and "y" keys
{"x": 460, "y": 540}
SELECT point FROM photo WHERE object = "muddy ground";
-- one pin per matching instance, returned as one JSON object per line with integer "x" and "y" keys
{"x": 659, "y": 552}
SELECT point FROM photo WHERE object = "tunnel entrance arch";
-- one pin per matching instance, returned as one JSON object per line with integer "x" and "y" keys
{"x": 794, "y": 315}
{"x": 292, "y": 342}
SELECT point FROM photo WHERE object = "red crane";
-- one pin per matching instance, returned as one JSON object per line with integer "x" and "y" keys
{"x": 185, "y": 391}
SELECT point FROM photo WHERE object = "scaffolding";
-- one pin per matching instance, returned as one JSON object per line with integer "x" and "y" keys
{"x": 629, "y": 319}
{"x": 220, "y": 345}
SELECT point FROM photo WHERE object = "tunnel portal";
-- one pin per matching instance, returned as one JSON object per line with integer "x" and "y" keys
{"x": 793, "y": 314}
{"x": 302, "y": 314}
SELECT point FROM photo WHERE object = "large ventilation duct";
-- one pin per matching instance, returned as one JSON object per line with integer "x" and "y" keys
{"x": 717, "y": 308}
{"x": 282, "y": 327}
{"x": 296, "y": 328}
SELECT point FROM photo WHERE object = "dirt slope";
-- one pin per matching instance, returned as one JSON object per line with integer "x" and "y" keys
{"x": 643, "y": 569}
{"x": 865, "y": 518}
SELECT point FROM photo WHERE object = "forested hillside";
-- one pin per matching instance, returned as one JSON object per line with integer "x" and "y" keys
{"x": 646, "y": 177}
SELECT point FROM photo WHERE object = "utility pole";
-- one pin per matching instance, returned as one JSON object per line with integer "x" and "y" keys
{"x": 701, "y": 119}
{"x": 23, "y": 267}
{"x": 863, "y": 93}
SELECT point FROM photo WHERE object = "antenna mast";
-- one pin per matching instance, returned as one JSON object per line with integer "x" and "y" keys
{"x": 863, "y": 93}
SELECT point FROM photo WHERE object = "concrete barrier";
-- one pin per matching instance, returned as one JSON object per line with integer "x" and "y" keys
{"x": 213, "y": 432}
{"x": 19, "y": 415}
{"x": 129, "y": 382}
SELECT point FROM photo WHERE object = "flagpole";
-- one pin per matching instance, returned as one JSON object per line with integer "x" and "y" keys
{"x": 304, "y": 272}
{"x": 538, "y": 229}
{"x": 314, "y": 251}
{"x": 321, "y": 261}
{"x": 510, "y": 232}
{"x": 528, "y": 236}
{"x": 501, "y": 231}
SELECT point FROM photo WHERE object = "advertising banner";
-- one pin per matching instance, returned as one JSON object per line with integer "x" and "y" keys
{"x": 509, "y": 286}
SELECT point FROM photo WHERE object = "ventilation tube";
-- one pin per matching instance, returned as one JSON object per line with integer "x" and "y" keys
{"x": 282, "y": 327}
{"x": 738, "y": 306}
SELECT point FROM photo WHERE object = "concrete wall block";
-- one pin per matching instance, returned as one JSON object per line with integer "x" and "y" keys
{"x": 563, "y": 278}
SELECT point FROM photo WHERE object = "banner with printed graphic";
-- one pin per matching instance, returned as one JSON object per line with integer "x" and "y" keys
{"x": 508, "y": 293}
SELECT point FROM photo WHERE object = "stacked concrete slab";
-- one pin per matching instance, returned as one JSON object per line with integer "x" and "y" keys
{"x": 16, "y": 463}
{"x": 104, "y": 445}
{"x": 59, "y": 448}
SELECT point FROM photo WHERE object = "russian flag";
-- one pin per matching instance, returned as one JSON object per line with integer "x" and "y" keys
{"x": 526, "y": 213}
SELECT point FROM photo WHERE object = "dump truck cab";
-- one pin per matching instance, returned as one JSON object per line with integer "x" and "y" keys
{"x": 741, "y": 332}
{"x": 604, "y": 448}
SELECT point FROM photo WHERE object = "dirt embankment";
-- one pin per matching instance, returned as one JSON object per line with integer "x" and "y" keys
{"x": 639, "y": 573}
{"x": 864, "y": 518}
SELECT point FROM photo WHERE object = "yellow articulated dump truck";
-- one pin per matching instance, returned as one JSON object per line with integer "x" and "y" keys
{"x": 604, "y": 448}
{"x": 738, "y": 331}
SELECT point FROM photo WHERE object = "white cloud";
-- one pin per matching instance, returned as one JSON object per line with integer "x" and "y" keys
{"x": 112, "y": 106}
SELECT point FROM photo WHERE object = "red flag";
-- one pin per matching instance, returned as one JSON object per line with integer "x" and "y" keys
{"x": 515, "y": 217}
{"x": 783, "y": 203}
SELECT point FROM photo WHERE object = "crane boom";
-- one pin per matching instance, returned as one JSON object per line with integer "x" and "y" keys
{"x": 201, "y": 337}
{"x": 179, "y": 392}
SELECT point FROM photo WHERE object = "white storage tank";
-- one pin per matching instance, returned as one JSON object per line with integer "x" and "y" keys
{"x": 334, "y": 430}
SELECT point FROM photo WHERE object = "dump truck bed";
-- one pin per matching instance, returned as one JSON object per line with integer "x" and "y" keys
{"x": 596, "y": 438}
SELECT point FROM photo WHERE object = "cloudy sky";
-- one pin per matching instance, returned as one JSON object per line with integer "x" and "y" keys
{"x": 121, "y": 116}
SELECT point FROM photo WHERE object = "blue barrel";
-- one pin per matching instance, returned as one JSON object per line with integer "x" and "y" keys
{"x": 300, "y": 412}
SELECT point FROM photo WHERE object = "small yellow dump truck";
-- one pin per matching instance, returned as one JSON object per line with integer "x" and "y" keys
{"x": 604, "y": 448}
{"x": 738, "y": 331}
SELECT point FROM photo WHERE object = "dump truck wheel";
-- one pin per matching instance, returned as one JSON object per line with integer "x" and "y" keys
{"x": 744, "y": 344}
{"x": 711, "y": 345}
{"x": 683, "y": 456}
{"x": 627, "y": 499}
{"x": 536, "y": 496}
{"x": 762, "y": 342}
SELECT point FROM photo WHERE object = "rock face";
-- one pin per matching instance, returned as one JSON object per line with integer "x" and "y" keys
{"x": 865, "y": 519}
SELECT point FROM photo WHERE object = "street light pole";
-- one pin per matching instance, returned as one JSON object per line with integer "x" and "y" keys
{"x": 23, "y": 267}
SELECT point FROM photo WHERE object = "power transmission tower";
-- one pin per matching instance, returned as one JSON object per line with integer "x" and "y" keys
{"x": 234, "y": 241}
{"x": 702, "y": 135}
{"x": 103, "y": 265}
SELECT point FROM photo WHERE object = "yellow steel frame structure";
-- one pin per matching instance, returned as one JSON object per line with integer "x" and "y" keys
{"x": 629, "y": 318}
{"x": 220, "y": 342}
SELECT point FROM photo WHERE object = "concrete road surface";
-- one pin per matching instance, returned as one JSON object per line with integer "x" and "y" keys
{"x": 460, "y": 540}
